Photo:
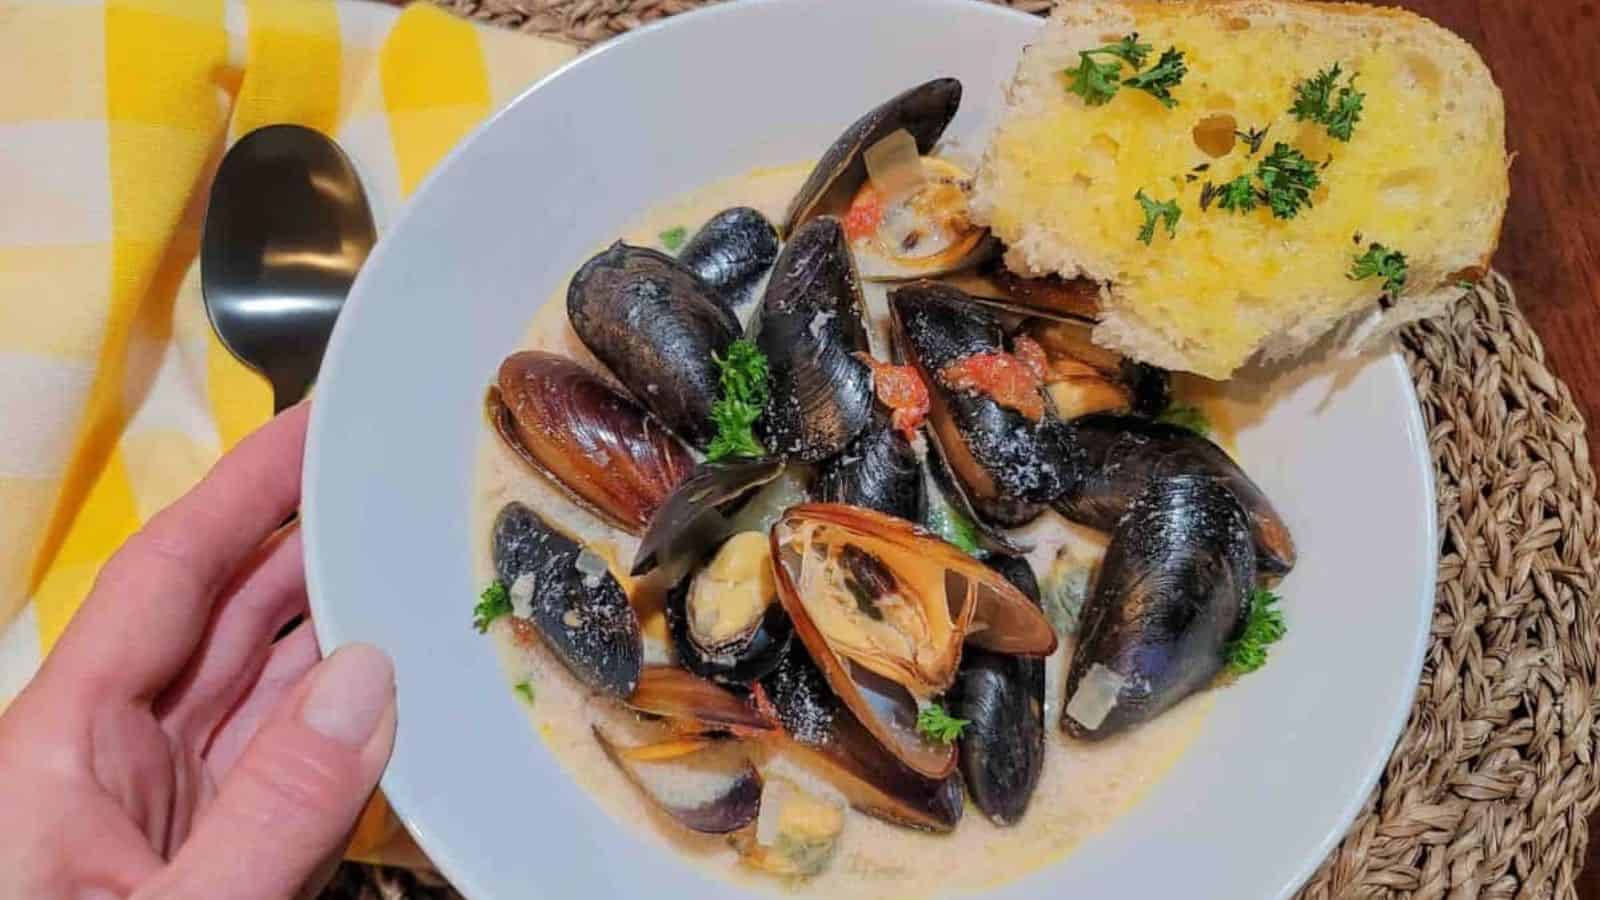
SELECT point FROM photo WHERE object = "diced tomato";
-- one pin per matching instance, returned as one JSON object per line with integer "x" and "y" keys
{"x": 1004, "y": 378}
{"x": 865, "y": 214}
{"x": 1030, "y": 354}
{"x": 901, "y": 390}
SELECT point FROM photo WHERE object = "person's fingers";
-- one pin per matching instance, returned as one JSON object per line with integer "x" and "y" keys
{"x": 298, "y": 788}
{"x": 288, "y": 661}
{"x": 152, "y": 600}
{"x": 267, "y": 595}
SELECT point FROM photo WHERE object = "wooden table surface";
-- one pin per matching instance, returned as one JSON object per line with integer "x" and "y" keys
{"x": 1544, "y": 55}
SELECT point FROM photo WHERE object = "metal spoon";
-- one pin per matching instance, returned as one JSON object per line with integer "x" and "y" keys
{"x": 286, "y": 229}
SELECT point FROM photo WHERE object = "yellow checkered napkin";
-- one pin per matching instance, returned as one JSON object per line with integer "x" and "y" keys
{"x": 114, "y": 395}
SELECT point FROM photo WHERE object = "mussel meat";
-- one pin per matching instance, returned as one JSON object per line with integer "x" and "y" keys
{"x": 731, "y": 253}
{"x": 827, "y": 735}
{"x": 795, "y": 833}
{"x": 910, "y": 218}
{"x": 1002, "y": 698}
{"x": 812, "y": 330}
{"x": 1171, "y": 593}
{"x": 725, "y": 620}
{"x": 601, "y": 448}
{"x": 879, "y": 470}
{"x": 709, "y": 786}
{"x": 1082, "y": 378}
{"x": 658, "y": 328}
{"x": 989, "y": 420}
{"x": 686, "y": 700}
{"x": 883, "y": 608}
{"x": 581, "y": 615}
{"x": 923, "y": 111}
{"x": 1123, "y": 454}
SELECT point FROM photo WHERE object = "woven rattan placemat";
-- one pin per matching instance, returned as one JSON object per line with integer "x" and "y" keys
{"x": 1489, "y": 788}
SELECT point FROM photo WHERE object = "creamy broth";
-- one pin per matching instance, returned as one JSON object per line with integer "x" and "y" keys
{"x": 1083, "y": 788}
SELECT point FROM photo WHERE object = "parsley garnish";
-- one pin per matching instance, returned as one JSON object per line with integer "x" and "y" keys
{"x": 1379, "y": 261}
{"x": 1167, "y": 213}
{"x": 1253, "y": 138}
{"x": 1237, "y": 195}
{"x": 1263, "y": 627}
{"x": 1315, "y": 101}
{"x": 938, "y": 725}
{"x": 673, "y": 238}
{"x": 524, "y": 690}
{"x": 1190, "y": 417}
{"x": 1159, "y": 80}
{"x": 744, "y": 396}
{"x": 494, "y": 602}
{"x": 1095, "y": 82}
{"x": 1287, "y": 180}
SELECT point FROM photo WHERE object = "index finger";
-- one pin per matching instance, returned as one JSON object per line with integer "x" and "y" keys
{"x": 151, "y": 601}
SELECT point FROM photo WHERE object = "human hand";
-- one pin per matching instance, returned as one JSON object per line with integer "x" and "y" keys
{"x": 167, "y": 747}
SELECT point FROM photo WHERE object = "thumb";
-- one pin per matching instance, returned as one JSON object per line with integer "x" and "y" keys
{"x": 291, "y": 799}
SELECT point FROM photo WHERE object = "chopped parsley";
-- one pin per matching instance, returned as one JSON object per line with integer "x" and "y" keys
{"x": 494, "y": 602}
{"x": 744, "y": 396}
{"x": 1166, "y": 213}
{"x": 937, "y": 725}
{"x": 1238, "y": 195}
{"x": 524, "y": 690}
{"x": 1381, "y": 262}
{"x": 1315, "y": 101}
{"x": 1263, "y": 627}
{"x": 1287, "y": 180}
{"x": 1253, "y": 138}
{"x": 1190, "y": 417}
{"x": 1097, "y": 80}
{"x": 673, "y": 238}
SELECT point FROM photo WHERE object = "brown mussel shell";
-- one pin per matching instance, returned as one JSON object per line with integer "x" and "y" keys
{"x": 1123, "y": 454}
{"x": 878, "y": 470}
{"x": 658, "y": 328}
{"x": 1002, "y": 698}
{"x": 1170, "y": 594}
{"x": 601, "y": 448}
{"x": 731, "y": 253}
{"x": 824, "y": 733}
{"x": 679, "y": 696}
{"x": 585, "y": 620}
{"x": 924, "y": 111}
{"x": 1008, "y": 466}
{"x": 733, "y": 802}
{"x": 812, "y": 330}
{"x": 883, "y": 607}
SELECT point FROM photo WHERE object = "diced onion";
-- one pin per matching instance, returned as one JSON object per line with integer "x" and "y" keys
{"x": 1096, "y": 696}
{"x": 522, "y": 596}
{"x": 591, "y": 563}
{"x": 894, "y": 166}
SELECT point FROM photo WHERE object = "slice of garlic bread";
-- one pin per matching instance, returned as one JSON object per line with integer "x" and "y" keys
{"x": 1214, "y": 243}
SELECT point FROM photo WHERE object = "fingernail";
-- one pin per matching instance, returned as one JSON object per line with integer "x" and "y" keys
{"x": 351, "y": 690}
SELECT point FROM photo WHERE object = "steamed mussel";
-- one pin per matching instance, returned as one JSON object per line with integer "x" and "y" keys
{"x": 725, "y": 620}
{"x": 990, "y": 420}
{"x": 879, "y": 470}
{"x": 731, "y": 253}
{"x": 570, "y": 600}
{"x": 659, "y": 329}
{"x": 1171, "y": 592}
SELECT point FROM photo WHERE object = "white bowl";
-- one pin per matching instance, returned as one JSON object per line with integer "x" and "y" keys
{"x": 1286, "y": 757}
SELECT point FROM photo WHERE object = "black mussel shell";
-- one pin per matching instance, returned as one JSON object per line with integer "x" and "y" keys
{"x": 1002, "y": 698}
{"x": 1122, "y": 454}
{"x": 1008, "y": 465}
{"x": 731, "y": 253}
{"x": 924, "y": 111}
{"x": 743, "y": 660}
{"x": 812, "y": 328}
{"x": 584, "y": 619}
{"x": 878, "y": 470}
{"x": 1170, "y": 594}
{"x": 695, "y": 514}
{"x": 1151, "y": 387}
{"x": 657, "y": 327}
{"x": 728, "y": 802}
{"x": 824, "y": 732}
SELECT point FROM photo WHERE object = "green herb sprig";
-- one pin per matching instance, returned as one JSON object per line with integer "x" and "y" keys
{"x": 1166, "y": 212}
{"x": 743, "y": 374}
{"x": 494, "y": 602}
{"x": 1381, "y": 262}
{"x": 1263, "y": 627}
{"x": 1287, "y": 180}
{"x": 673, "y": 238}
{"x": 1190, "y": 417}
{"x": 1315, "y": 101}
{"x": 1159, "y": 80}
{"x": 938, "y": 725}
{"x": 525, "y": 691}
{"x": 1097, "y": 80}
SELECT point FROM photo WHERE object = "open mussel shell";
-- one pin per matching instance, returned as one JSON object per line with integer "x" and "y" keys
{"x": 883, "y": 608}
{"x": 583, "y": 617}
{"x": 878, "y": 470}
{"x": 1075, "y": 300}
{"x": 1123, "y": 454}
{"x": 692, "y": 518}
{"x": 600, "y": 447}
{"x": 1008, "y": 464}
{"x": 1083, "y": 378}
{"x": 1002, "y": 698}
{"x": 712, "y": 789}
{"x": 924, "y": 111}
{"x": 924, "y": 231}
{"x": 683, "y": 698}
{"x": 658, "y": 328}
{"x": 725, "y": 619}
{"x": 812, "y": 330}
{"x": 826, "y": 735}
{"x": 1171, "y": 592}
{"x": 731, "y": 253}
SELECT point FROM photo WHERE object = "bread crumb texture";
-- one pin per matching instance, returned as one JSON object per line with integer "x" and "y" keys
{"x": 1424, "y": 172}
